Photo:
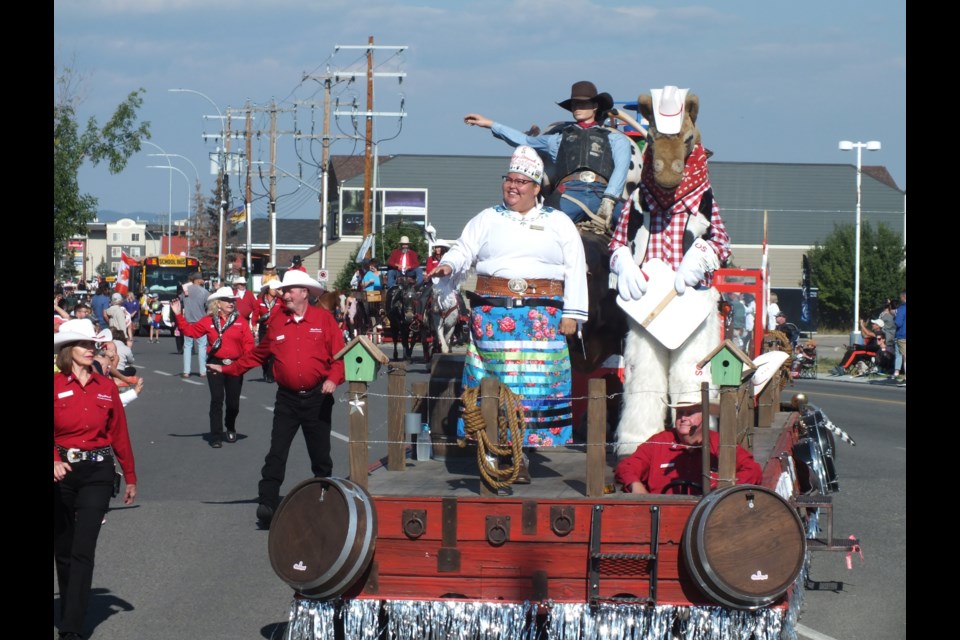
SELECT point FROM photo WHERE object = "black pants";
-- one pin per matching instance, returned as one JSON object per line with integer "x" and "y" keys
{"x": 223, "y": 387}
{"x": 80, "y": 501}
{"x": 292, "y": 410}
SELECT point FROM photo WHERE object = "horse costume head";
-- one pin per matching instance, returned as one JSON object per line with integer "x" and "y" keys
{"x": 673, "y": 134}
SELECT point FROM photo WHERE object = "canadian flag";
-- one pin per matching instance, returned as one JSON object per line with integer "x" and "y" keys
{"x": 122, "y": 285}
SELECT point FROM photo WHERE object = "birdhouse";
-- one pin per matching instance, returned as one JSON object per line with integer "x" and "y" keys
{"x": 729, "y": 364}
{"x": 361, "y": 360}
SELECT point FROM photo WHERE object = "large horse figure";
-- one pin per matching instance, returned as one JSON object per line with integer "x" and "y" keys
{"x": 675, "y": 195}
{"x": 405, "y": 313}
{"x": 444, "y": 316}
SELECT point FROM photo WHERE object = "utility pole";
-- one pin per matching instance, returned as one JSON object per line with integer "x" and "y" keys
{"x": 370, "y": 113}
{"x": 273, "y": 182}
{"x": 248, "y": 196}
{"x": 368, "y": 147}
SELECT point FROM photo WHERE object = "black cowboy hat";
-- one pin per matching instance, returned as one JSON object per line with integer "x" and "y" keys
{"x": 586, "y": 90}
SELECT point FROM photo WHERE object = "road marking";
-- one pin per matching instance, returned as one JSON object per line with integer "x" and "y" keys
{"x": 339, "y": 436}
{"x": 850, "y": 397}
{"x": 164, "y": 373}
{"x": 810, "y": 633}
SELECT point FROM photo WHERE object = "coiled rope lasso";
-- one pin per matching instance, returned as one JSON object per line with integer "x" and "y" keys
{"x": 510, "y": 427}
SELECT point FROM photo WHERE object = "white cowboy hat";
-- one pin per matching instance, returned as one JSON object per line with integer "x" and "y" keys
{"x": 668, "y": 108}
{"x": 79, "y": 331}
{"x": 767, "y": 364}
{"x": 223, "y": 293}
{"x": 239, "y": 280}
{"x": 441, "y": 243}
{"x": 679, "y": 404}
{"x": 404, "y": 240}
{"x": 297, "y": 278}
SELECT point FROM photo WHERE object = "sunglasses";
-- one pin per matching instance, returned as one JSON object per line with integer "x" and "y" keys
{"x": 520, "y": 182}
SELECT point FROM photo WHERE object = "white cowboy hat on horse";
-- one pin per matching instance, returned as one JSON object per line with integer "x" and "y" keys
{"x": 668, "y": 108}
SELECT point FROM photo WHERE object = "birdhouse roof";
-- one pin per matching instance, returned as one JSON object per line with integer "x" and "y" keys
{"x": 738, "y": 353}
{"x": 367, "y": 344}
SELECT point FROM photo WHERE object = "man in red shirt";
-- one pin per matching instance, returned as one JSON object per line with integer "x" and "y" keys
{"x": 405, "y": 261}
{"x": 303, "y": 341}
{"x": 671, "y": 461}
{"x": 246, "y": 302}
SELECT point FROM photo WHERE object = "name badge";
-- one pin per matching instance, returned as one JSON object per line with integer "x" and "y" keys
{"x": 64, "y": 394}
{"x": 536, "y": 227}
{"x": 666, "y": 465}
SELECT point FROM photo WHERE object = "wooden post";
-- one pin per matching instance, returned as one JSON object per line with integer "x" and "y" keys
{"x": 358, "y": 446}
{"x": 396, "y": 407}
{"x": 705, "y": 430}
{"x": 596, "y": 436}
{"x": 768, "y": 402}
{"x": 746, "y": 416}
{"x": 489, "y": 409}
{"x": 728, "y": 437}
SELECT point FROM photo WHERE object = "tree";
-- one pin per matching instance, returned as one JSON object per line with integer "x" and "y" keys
{"x": 883, "y": 272}
{"x": 113, "y": 143}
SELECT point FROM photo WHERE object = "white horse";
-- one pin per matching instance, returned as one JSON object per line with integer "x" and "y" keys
{"x": 445, "y": 310}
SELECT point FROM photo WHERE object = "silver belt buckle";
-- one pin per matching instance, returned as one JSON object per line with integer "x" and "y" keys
{"x": 517, "y": 285}
{"x": 227, "y": 361}
{"x": 588, "y": 176}
{"x": 73, "y": 455}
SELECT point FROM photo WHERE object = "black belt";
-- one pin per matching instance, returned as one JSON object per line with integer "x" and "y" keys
{"x": 216, "y": 360}
{"x": 510, "y": 303}
{"x": 78, "y": 455}
{"x": 303, "y": 392}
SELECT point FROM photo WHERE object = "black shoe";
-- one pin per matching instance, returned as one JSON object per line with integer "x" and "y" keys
{"x": 215, "y": 442}
{"x": 264, "y": 514}
{"x": 231, "y": 436}
{"x": 70, "y": 635}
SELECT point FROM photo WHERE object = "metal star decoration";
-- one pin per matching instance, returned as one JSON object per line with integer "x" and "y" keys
{"x": 356, "y": 405}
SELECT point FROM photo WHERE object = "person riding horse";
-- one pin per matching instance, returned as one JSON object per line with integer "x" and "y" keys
{"x": 591, "y": 161}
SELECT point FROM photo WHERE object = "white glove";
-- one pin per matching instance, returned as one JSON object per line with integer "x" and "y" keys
{"x": 697, "y": 262}
{"x": 631, "y": 282}
{"x": 606, "y": 209}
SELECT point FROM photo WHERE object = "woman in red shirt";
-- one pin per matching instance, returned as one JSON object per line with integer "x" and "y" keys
{"x": 89, "y": 430}
{"x": 228, "y": 338}
{"x": 440, "y": 247}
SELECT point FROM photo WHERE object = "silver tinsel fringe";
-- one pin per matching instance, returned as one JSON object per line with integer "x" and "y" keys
{"x": 473, "y": 620}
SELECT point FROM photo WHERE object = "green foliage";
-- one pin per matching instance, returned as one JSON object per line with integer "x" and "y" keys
{"x": 103, "y": 269}
{"x": 882, "y": 272}
{"x": 387, "y": 240}
{"x": 73, "y": 145}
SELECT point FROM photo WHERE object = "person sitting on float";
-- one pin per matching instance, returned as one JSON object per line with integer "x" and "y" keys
{"x": 672, "y": 462}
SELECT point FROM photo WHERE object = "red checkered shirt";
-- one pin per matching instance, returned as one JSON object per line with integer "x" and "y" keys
{"x": 666, "y": 228}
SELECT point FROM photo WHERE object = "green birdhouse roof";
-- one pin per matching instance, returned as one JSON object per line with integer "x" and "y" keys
{"x": 368, "y": 345}
{"x": 737, "y": 352}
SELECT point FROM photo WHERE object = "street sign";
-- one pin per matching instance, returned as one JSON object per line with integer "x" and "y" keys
{"x": 322, "y": 276}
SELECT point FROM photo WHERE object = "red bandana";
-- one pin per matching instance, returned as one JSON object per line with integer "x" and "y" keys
{"x": 695, "y": 174}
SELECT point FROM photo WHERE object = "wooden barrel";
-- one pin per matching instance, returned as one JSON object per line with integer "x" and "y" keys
{"x": 322, "y": 536}
{"x": 744, "y": 546}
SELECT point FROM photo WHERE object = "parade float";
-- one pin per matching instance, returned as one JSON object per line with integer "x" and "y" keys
{"x": 448, "y": 545}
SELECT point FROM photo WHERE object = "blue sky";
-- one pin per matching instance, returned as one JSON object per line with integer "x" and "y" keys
{"x": 777, "y": 81}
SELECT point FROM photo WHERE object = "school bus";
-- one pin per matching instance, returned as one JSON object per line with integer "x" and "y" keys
{"x": 162, "y": 275}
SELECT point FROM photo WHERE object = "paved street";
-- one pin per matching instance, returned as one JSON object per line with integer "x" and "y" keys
{"x": 187, "y": 560}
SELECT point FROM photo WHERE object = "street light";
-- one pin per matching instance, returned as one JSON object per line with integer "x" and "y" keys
{"x": 169, "y": 197}
{"x": 846, "y": 145}
{"x": 177, "y": 155}
{"x": 221, "y": 167}
{"x": 160, "y": 166}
